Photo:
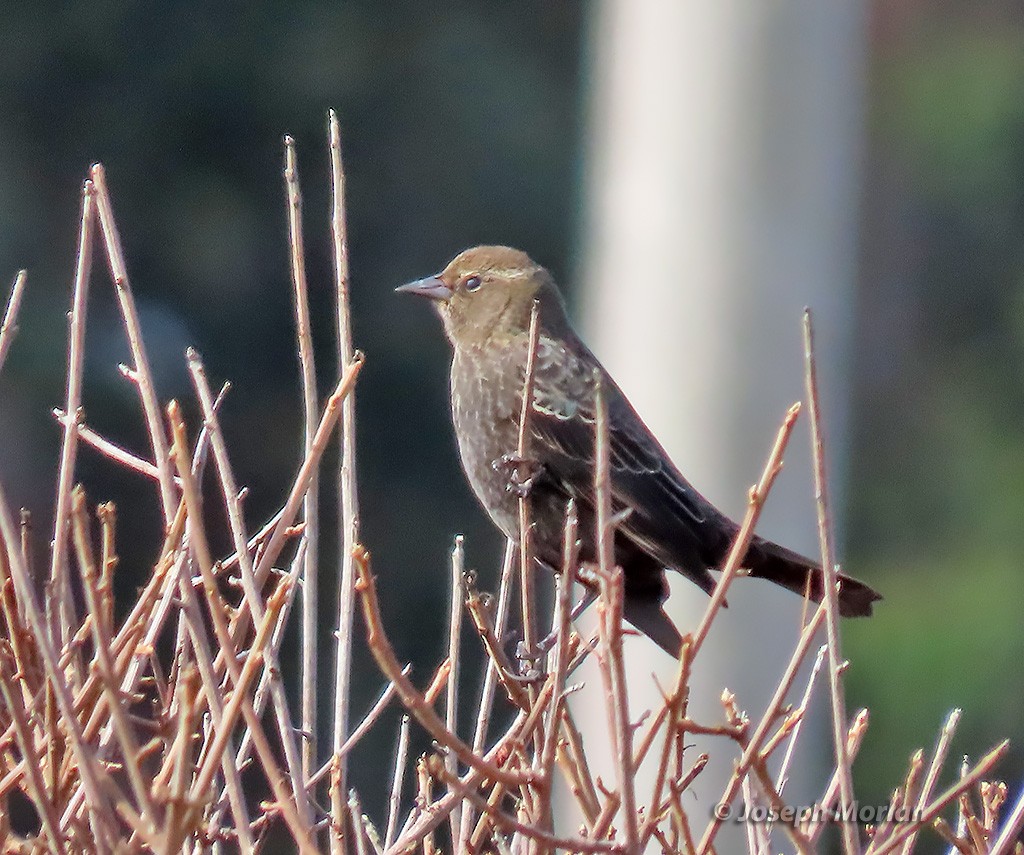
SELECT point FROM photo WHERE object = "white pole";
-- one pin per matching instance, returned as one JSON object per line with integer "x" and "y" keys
{"x": 723, "y": 151}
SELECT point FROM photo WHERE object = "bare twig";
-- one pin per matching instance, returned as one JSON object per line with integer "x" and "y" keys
{"x": 141, "y": 373}
{"x": 9, "y": 326}
{"x": 934, "y": 769}
{"x": 62, "y": 613}
{"x": 413, "y": 700}
{"x": 397, "y": 779}
{"x": 983, "y": 767}
{"x": 347, "y": 499}
{"x": 451, "y": 699}
{"x": 311, "y": 501}
{"x": 613, "y": 672}
{"x": 491, "y": 677}
{"x": 526, "y": 570}
{"x": 830, "y": 597}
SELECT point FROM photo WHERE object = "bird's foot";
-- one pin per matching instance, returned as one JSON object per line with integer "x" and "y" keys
{"x": 520, "y": 473}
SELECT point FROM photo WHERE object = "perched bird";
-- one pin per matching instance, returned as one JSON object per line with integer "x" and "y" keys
{"x": 485, "y": 298}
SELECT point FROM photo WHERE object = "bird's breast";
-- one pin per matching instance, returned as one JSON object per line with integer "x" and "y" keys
{"x": 486, "y": 396}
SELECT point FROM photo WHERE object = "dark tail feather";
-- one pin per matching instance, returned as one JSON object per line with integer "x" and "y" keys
{"x": 647, "y": 615}
{"x": 767, "y": 560}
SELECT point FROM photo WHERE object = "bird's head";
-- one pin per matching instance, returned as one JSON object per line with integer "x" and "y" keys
{"x": 486, "y": 294}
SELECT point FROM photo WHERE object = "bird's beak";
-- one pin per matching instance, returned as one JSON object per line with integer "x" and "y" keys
{"x": 433, "y": 287}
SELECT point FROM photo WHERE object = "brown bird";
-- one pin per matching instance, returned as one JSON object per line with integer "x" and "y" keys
{"x": 485, "y": 298}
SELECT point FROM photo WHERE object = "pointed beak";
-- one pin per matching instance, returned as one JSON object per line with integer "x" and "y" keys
{"x": 432, "y": 287}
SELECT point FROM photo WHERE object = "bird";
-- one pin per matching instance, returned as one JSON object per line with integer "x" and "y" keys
{"x": 485, "y": 297}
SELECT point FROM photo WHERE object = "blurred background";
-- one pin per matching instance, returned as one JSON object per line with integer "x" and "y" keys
{"x": 483, "y": 123}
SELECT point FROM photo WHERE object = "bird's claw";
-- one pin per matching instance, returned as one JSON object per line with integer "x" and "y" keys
{"x": 521, "y": 473}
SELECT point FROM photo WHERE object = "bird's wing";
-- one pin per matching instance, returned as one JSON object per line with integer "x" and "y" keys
{"x": 670, "y": 520}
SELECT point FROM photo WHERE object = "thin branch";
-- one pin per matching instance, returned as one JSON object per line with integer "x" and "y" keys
{"x": 397, "y": 779}
{"x": 31, "y": 764}
{"x": 62, "y": 613}
{"x": 329, "y": 418}
{"x": 983, "y": 767}
{"x": 9, "y": 327}
{"x": 348, "y": 509}
{"x": 451, "y": 700}
{"x": 89, "y": 774}
{"x": 413, "y": 700}
{"x": 934, "y": 769}
{"x": 1009, "y": 833}
{"x": 851, "y": 843}
{"x": 253, "y": 598}
{"x": 613, "y": 671}
{"x": 491, "y": 678}
{"x": 311, "y": 503}
{"x": 141, "y": 373}
{"x": 755, "y": 502}
{"x": 526, "y": 569}
{"x": 510, "y": 823}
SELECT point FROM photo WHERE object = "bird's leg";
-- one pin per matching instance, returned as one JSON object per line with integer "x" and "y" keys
{"x": 520, "y": 472}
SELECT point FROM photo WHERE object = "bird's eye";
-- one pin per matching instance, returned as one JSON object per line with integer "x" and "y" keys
{"x": 471, "y": 283}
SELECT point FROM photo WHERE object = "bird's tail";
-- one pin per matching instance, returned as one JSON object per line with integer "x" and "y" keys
{"x": 767, "y": 560}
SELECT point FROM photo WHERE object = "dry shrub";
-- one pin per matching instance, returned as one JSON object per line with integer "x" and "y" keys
{"x": 118, "y": 747}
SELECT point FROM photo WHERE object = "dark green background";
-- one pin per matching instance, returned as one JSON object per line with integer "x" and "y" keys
{"x": 467, "y": 126}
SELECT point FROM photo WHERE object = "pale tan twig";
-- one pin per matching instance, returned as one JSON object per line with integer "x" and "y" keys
{"x": 559, "y": 656}
{"x": 940, "y": 803}
{"x": 61, "y": 611}
{"x": 429, "y": 815}
{"x": 903, "y": 797}
{"x": 202, "y": 664}
{"x": 424, "y": 713}
{"x": 112, "y": 450}
{"x": 581, "y": 781}
{"x": 491, "y": 678}
{"x": 830, "y": 595}
{"x": 360, "y": 824}
{"x": 141, "y": 373}
{"x": 532, "y": 832}
{"x": 311, "y": 503}
{"x": 89, "y": 773}
{"x": 291, "y": 807}
{"x": 613, "y": 671}
{"x": 765, "y": 725}
{"x": 853, "y": 742}
{"x": 9, "y": 326}
{"x": 271, "y": 673}
{"x": 108, "y": 677}
{"x": 31, "y": 765}
{"x": 934, "y": 769}
{"x": 329, "y": 418}
{"x": 397, "y": 779}
{"x": 755, "y": 502}
{"x": 348, "y": 510}
{"x": 451, "y": 698}
{"x": 229, "y": 489}
{"x": 368, "y": 720}
{"x": 526, "y": 569}
{"x": 1009, "y": 834}
{"x": 802, "y": 707}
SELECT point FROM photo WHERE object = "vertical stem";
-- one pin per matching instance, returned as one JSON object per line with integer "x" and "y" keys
{"x": 851, "y": 844}
{"x": 141, "y": 374}
{"x": 60, "y": 614}
{"x": 311, "y": 502}
{"x": 347, "y": 499}
{"x": 9, "y": 326}
{"x": 610, "y": 616}
{"x": 451, "y": 701}
{"x": 522, "y": 454}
